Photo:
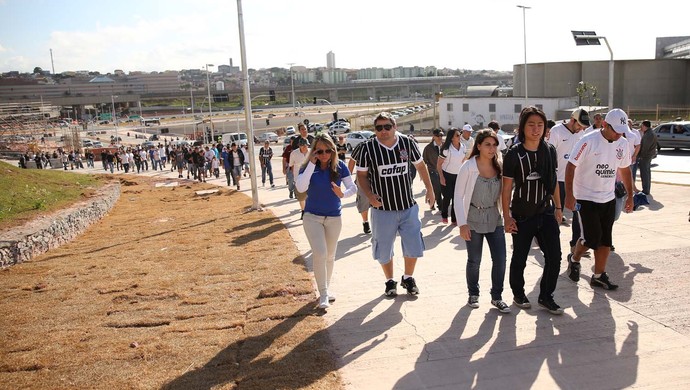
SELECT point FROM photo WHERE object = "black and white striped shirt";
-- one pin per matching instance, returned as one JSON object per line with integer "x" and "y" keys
{"x": 389, "y": 170}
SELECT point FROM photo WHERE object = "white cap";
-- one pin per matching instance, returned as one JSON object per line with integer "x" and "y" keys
{"x": 618, "y": 119}
{"x": 467, "y": 128}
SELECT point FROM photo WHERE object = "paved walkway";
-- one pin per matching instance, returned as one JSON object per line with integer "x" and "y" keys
{"x": 637, "y": 336}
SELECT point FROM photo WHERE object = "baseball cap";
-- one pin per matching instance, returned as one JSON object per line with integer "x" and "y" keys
{"x": 467, "y": 128}
{"x": 581, "y": 116}
{"x": 303, "y": 141}
{"x": 618, "y": 119}
{"x": 438, "y": 132}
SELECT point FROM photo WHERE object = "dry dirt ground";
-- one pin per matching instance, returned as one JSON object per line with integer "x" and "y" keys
{"x": 169, "y": 290}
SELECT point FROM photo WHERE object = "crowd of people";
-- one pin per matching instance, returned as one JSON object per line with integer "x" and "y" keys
{"x": 487, "y": 190}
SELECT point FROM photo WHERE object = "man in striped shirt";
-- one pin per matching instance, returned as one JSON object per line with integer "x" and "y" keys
{"x": 383, "y": 173}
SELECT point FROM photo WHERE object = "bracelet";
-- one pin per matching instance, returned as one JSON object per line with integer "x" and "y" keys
{"x": 559, "y": 208}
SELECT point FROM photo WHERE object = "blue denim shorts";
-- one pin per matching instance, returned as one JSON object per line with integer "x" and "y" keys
{"x": 385, "y": 225}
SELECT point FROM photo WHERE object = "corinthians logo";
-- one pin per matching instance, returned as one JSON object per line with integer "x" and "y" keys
{"x": 619, "y": 153}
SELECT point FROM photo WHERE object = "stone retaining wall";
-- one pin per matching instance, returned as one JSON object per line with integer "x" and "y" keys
{"x": 48, "y": 232}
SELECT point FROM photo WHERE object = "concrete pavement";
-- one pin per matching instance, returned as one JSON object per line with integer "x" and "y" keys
{"x": 637, "y": 336}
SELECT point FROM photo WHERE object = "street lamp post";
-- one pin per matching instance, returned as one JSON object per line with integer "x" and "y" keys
{"x": 292, "y": 84}
{"x": 584, "y": 38}
{"x": 210, "y": 111}
{"x": 112, "y": 100}
{"x": 524, "y": 37}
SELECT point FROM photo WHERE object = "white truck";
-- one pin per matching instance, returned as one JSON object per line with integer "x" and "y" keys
{"x": 239, "y": 138}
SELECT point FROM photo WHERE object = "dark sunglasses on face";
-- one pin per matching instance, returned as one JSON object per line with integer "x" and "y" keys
{"x": 381, "y": 127}
{"x": 322, "y": 151}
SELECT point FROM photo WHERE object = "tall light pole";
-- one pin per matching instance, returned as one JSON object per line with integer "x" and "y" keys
{"x": 210, "y": 111}
{"x": 524, "y": 37}
{"x": 584, "y": 38}
{"x": 248, "y": 109}
{"x": 112, "y": 100}
{"x": 292, "y": 84}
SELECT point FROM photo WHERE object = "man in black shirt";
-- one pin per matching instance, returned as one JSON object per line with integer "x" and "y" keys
{"x": 535, "y": 209}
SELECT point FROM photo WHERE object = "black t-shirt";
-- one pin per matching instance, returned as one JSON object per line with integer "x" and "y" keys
{"x": 342, "y": 150}
{"x": 529, "y": 193}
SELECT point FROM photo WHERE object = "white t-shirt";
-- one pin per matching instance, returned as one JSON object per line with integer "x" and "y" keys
{"x": 597, "y": 162}
{"x": 563, "y": 140}
{"x": 453, "y": 159}
{"x": 296, "y": 160}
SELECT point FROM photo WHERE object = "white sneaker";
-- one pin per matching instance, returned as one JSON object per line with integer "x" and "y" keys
{"x": 323, "y": 302}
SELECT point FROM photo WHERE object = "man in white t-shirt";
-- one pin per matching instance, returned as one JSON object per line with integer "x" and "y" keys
{"x": 563, "y": 137}
{"x": 589, "y": 183}
{"x": 466, "y": 139}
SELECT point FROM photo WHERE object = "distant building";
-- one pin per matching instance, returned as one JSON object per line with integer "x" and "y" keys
{"x": 304, "y": 77}
{"x": 330, "y": 60}
{"x": 334, "y": 76}
{"x": 672, "y": 48}
{"x": 228, "y": 69}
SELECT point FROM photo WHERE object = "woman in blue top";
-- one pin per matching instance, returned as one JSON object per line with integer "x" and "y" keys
{"x": 321, "y": 178}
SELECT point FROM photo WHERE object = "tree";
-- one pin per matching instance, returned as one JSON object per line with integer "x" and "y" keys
{"x": 589, "y": 92}
{"x": 38, "y": 70}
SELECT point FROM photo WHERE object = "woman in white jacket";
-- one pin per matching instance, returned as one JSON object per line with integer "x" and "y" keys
{"x": 477, "y": 196}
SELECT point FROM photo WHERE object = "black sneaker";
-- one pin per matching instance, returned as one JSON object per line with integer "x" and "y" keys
{"x": 410, "y": 285}
{"x": 522, "y": 302}
{"x": 391, "y": 288}
{"x": 367, "y": 228}
{"x": 573, "y": 269}
{"x": 613, "y": 248}
{"x": 603, "y": 282}
{"x": 551, "y": 306}
{"x": 500, "y": 305}
{"x": 473, "y": 301}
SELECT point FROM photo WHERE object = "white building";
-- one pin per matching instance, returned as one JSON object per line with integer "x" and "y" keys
{"x": 334, "y": 76}
{"x": 479, "y": 111}
{"x": 330, "y": 60}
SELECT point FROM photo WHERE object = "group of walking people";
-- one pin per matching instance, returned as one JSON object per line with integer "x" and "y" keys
{"x": 522, "y": 193}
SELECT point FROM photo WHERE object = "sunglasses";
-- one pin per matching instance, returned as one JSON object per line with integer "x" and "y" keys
{"x": 381, "y": 127}
{"x": 322, "y": 151}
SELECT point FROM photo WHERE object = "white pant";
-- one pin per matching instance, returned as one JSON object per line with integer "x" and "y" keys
{"x": 322, "y": 233}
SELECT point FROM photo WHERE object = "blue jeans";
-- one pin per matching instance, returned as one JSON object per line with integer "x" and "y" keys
{"x": 291, "y": 180}
{"x": 264, "y": 168}
{"x": 545, "y": 228}
{"x": 497, "y": 246}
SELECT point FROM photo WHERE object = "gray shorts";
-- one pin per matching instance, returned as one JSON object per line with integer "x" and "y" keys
{"x": 362, "y": 201}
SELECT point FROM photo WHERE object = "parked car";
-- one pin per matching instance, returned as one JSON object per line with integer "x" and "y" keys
{"x": 267, "y": 136}
{"x": 148, "y": 145}
{"x": 673, "y": 135}
{"x": 290, "y": 130}
{"x": 357, "y": 137}
{"x": 314, "y": 127}
{"x": 339, "y": 127}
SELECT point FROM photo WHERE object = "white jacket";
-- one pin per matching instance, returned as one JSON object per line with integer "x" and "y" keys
{"x": 464, "y": 188}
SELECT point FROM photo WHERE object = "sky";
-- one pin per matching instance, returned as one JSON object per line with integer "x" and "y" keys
{"x": 152, "y": 35}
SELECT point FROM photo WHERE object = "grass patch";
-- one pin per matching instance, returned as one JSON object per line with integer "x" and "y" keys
{"x": 28, "y": 193}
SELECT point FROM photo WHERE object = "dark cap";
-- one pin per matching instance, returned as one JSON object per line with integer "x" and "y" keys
{"x": 439, "y": 132}
{"x": 581, "y": 116}
{"x": 303, "y": 141}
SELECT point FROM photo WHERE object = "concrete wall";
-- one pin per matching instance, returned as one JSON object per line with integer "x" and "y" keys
{"x": 36, "y": 237}
{"x": 637, "y": 83}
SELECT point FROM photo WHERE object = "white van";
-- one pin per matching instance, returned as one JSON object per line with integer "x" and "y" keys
{"x": 239, "y": 138}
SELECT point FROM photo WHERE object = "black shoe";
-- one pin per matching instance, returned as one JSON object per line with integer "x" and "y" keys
{"x": 302, "y": 217}
{"x": 391, "y": 288}
{"x": 613, "y": 248}
{"x": 573, "y": 269}
{"x": 367, "y": 228}
{"x": 603, "y": 282}
{"x": 551, "y": 306}
{"x": 522, "y": 302}
{"x": 410, "y": 285}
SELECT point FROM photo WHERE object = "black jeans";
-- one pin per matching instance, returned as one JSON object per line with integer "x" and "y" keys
{"x": 436, "y": 184}
{"x": 448, "y": 194}
{"x": 545, "y": 228}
